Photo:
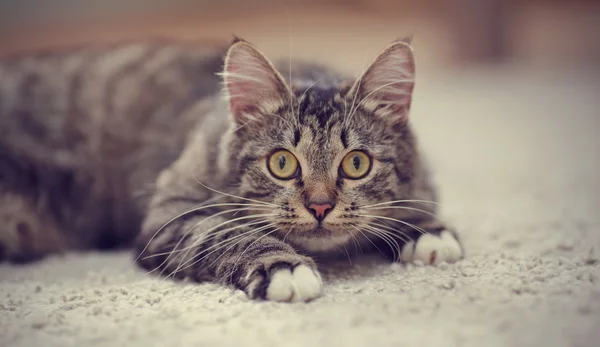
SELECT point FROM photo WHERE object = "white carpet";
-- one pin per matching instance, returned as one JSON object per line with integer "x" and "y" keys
{"x": 517, "y": 158}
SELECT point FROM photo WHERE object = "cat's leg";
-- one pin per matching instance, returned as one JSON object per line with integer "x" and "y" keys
{"x": 25, "y": 235}
{"x": 245, "y": 257}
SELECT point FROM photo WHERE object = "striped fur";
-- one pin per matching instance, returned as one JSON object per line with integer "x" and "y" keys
{"x": 84, "y": 132}
{"x": 104, "y": 145}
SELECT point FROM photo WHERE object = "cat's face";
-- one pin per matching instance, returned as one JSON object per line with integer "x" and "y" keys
{"x": 321, "y": 155}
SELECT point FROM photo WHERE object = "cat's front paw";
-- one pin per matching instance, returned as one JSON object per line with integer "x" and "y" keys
{"x": 286, "y": 284}
{"x": 433, "y": 249}
{"x": 299, "y": 284}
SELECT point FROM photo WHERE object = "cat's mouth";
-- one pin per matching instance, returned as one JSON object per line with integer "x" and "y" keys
{"x": 318, "y": 239}
{"x": 319, "y": 229}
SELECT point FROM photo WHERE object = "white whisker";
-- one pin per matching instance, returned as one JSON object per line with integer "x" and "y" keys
{"x": 402, "y": 208}
{"x": 348, "y": 254}
{"x": 381, "y": 236}
{"x": 195, "y": 209}
{"x": 359, "y": 82}
{"x": 356, "y": 242}
{"x": 375, "y": 90}
{"x": 347, "y": 119}
{"x": 244, "y": 251}
{"x": 368, "y": 239}
{"x": 211, "y": 236}
{"x": 290, "y": 70}
{"x": 283, "y": 119}
{"x": 397, "y": 220}
{"x": 234, "y": 196}
{"x": 304, "y": 93}
{"x": 198, "y": 242}
{"x": 286, "y": 234}
{"x": 386, "y": 234}
{"x": 215, "y": 248}
{"x": 243, "y": 125}
{"x": 401, "y": 235}
{"x": 401, "y": 201}
{"x": 246, "y": 234}
{"x": 207, "y": 232}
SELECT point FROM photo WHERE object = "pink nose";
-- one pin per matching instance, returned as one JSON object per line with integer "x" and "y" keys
{"x": 320, "y": 210}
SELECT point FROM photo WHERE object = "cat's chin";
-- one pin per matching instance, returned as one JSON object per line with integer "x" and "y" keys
{"x": 319, "y": 240}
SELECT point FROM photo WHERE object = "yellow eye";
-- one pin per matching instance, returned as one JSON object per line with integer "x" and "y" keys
{"x": 283, "y": 165}
{"x": 356, "y": 164}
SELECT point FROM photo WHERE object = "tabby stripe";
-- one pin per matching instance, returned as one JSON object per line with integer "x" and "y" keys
{"x": 124, "y": 72}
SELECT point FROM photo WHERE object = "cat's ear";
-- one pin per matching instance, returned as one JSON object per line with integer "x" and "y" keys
{"x": 252, "y": 85}
{"x": 386, "y": 87}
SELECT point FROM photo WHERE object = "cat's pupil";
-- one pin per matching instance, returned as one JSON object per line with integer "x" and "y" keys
{"x": 356, "y": 162}
{"x": 281, "y": 162}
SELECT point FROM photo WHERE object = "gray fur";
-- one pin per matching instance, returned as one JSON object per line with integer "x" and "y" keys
{"x": 108, "y": 144}
{"x": 84, "y": 132}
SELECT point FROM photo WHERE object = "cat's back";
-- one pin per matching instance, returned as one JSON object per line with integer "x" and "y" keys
{"x": 89, "y": 127}
{"x": 64, "y": 96}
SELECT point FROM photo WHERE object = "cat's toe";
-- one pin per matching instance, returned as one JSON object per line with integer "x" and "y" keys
{"x": 433, "y": 249}
{"x": 299, "y": 284}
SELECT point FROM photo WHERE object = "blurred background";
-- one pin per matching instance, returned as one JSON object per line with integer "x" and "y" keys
{"x": 348, "y": 33}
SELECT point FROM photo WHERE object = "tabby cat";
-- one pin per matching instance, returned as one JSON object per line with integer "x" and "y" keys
{"x": 135, "y": 144}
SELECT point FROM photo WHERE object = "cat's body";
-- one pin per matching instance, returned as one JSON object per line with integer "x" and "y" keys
{"x": 83, "y": 134}
{"x": 240, "y": 188}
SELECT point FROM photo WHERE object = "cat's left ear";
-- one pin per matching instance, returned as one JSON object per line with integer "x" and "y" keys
{"x": 386, "y": 87}
{"x": 252, "y": 84}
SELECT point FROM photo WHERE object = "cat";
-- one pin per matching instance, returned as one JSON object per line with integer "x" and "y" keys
{"x": 286, "y": 163}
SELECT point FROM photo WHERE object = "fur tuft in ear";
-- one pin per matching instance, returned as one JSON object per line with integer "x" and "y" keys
{"x": 252, "y": 85}
{"x": 406, "y": 39}
{"x": 386, "y": 86}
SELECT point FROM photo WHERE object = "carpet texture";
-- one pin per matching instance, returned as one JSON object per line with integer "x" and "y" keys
{"x": 516, "y": 155}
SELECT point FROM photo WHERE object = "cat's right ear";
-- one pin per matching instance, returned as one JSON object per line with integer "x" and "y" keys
{"x": 252, "y": 85}
{"x": 386, "y": 87}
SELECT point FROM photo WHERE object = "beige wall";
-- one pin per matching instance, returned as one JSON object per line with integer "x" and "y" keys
{"x": 448, "y": 33}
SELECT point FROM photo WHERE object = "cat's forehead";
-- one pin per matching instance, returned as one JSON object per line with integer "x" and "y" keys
{"x": 320, "y": 108}
{"x": 320, "y": 115}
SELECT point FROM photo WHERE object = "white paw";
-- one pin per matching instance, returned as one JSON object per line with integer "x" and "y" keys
{"x": 433, "y": 249}
{"x": 302, "y": 284}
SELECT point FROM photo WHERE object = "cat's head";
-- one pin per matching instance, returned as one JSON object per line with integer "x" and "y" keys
{"x": 320, "y": 154}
